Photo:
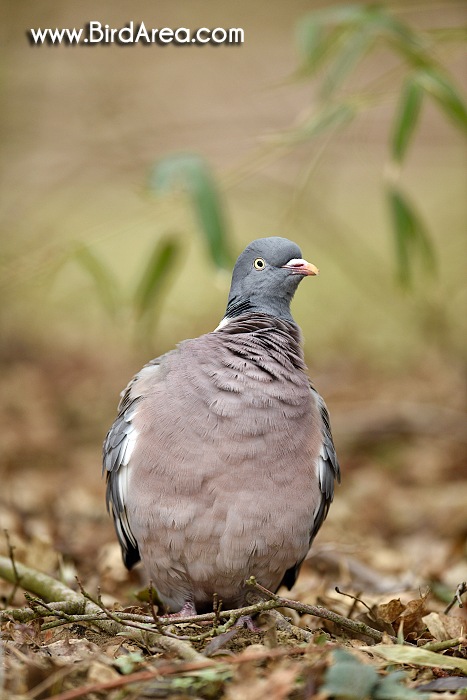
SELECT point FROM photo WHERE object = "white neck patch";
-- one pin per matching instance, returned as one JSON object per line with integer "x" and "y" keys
{"x": 222, "y": 324}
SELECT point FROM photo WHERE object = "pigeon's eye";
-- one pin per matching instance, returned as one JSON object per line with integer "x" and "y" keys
{"x": 259, "y": 263}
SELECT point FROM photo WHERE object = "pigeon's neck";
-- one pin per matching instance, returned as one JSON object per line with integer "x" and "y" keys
{"x": 275, "y": 335}
{"x": 277, "y": 307}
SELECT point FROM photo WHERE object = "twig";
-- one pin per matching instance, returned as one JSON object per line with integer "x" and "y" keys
{"x": 27, "y": 614}
{"x": 285, "y": 626}
{"x": 216, "y": 608}
{"x": 152, "y": 607}
{"x": 145, "y": 626}
{"x": 229, "y": 614}
{"x": 460, "y": 590}
{"x": 354, "y": 598}
{"x": 323, "y": 613}
{"x": 11, "y": 554}
{"x": 446, "y": 644}
{"x": 75, "y": 610}
{"x": 97, "y": 602}
{"x": 36, "y": 603}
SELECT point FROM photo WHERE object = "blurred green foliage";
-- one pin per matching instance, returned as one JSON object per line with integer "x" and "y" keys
{"x": 350, "y": 679}
{"x": 191, "y": 174}
{"x": 332, "y": 43}
{"x": 186, "y": 174}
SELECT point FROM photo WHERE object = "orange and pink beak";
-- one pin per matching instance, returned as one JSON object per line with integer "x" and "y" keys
{"x": 298, "y": 266}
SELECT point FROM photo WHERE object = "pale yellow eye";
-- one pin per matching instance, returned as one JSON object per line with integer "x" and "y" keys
{"x": 259, "y": 263}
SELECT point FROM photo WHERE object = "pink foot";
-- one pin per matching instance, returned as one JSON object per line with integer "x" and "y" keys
{"x": 247, "y": 621}
{"x": 188, "y": 610}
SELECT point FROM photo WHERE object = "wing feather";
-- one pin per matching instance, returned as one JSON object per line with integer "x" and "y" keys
{"x": 117, "y": 452}
{"x": 328, "y": 472}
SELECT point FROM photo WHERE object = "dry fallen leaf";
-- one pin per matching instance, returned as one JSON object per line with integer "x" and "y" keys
{"x": 99, "y": 672}
{"x": 389, "y": 612}
{"x": 69, "y": 651}
{"x": 444, "y": 627}
{"x": 407, "y": 654}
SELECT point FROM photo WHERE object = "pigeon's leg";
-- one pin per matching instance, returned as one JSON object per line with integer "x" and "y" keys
{"x": 248, "y": 622}
{"x": 188, "y": 610}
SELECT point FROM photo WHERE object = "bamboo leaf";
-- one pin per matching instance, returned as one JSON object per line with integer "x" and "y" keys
{"x": 105, "y": 282}
{"x": 154, "y": 275}
{"x": 311, "y": 40}
{"x": 411, "y": 237}
{"x": 403, "y": 235}
{"x": 317, "y": 45}
{"x": 446, "y": 94}
{"x": 211, "y": 218}
{"x": 353, "y": 50}
{"x": 320, "y": 34}
{"x": 412, "y": 45}
{"x": 191, "y": 173}
{"x": 407, "y": 117}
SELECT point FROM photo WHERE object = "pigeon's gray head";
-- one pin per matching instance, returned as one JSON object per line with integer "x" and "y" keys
{"x": 266, "y": 276}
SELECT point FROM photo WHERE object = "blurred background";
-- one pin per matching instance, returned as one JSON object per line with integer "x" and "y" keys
{"x": 131, "y": 178}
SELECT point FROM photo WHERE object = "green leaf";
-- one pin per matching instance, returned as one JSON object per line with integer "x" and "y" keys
{"x": 191, "y": 173}
{"x": 446, "y": 94}
{"x": 407, "y": 117}
{"x": 406, "y": 654}
{"x": 331, "y": 116}
{"x": 348, "y": 679}
{"x": 105, "y": 281}
{"x": 350, "y": 31}
{"x": 127, "y": 663}
{"x": 412, "y": 45}
{"x": 154, "y": 275}
{"x": 312, "y": 42}
{"x": 410, "y": 235}
{"x": 353, "y": 50}
{"x": 320, "y": 34}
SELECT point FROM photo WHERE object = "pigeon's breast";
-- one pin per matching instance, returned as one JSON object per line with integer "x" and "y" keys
{"x": 230, "y": 437}
{"x": 222, "y": 403}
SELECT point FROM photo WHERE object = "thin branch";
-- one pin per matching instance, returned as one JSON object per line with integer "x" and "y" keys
{"x": 353, "y": 597}
{"x": 36, "y": 604}
{"x": 323, "y": 613}
{"x": 216, "y": 608}
{"x": 11, "y": 554}
{"x": 460, "y": 590}
{"x": 446, "y": 644}
{"x": 284, "y": 625}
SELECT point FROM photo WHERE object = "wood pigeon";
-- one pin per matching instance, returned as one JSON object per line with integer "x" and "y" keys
{"x": 221, "y": 463}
